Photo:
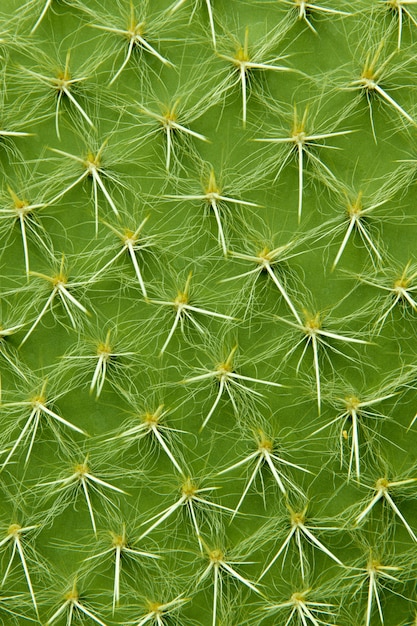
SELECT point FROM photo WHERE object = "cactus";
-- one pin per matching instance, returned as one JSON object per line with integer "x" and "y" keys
{"x": 208, "y": 296}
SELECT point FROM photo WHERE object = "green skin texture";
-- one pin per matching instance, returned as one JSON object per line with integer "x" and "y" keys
{"x": 182, "y": 236}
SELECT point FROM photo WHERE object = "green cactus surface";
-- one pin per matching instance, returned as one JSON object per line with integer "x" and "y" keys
{"x": 208, "y": 300}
